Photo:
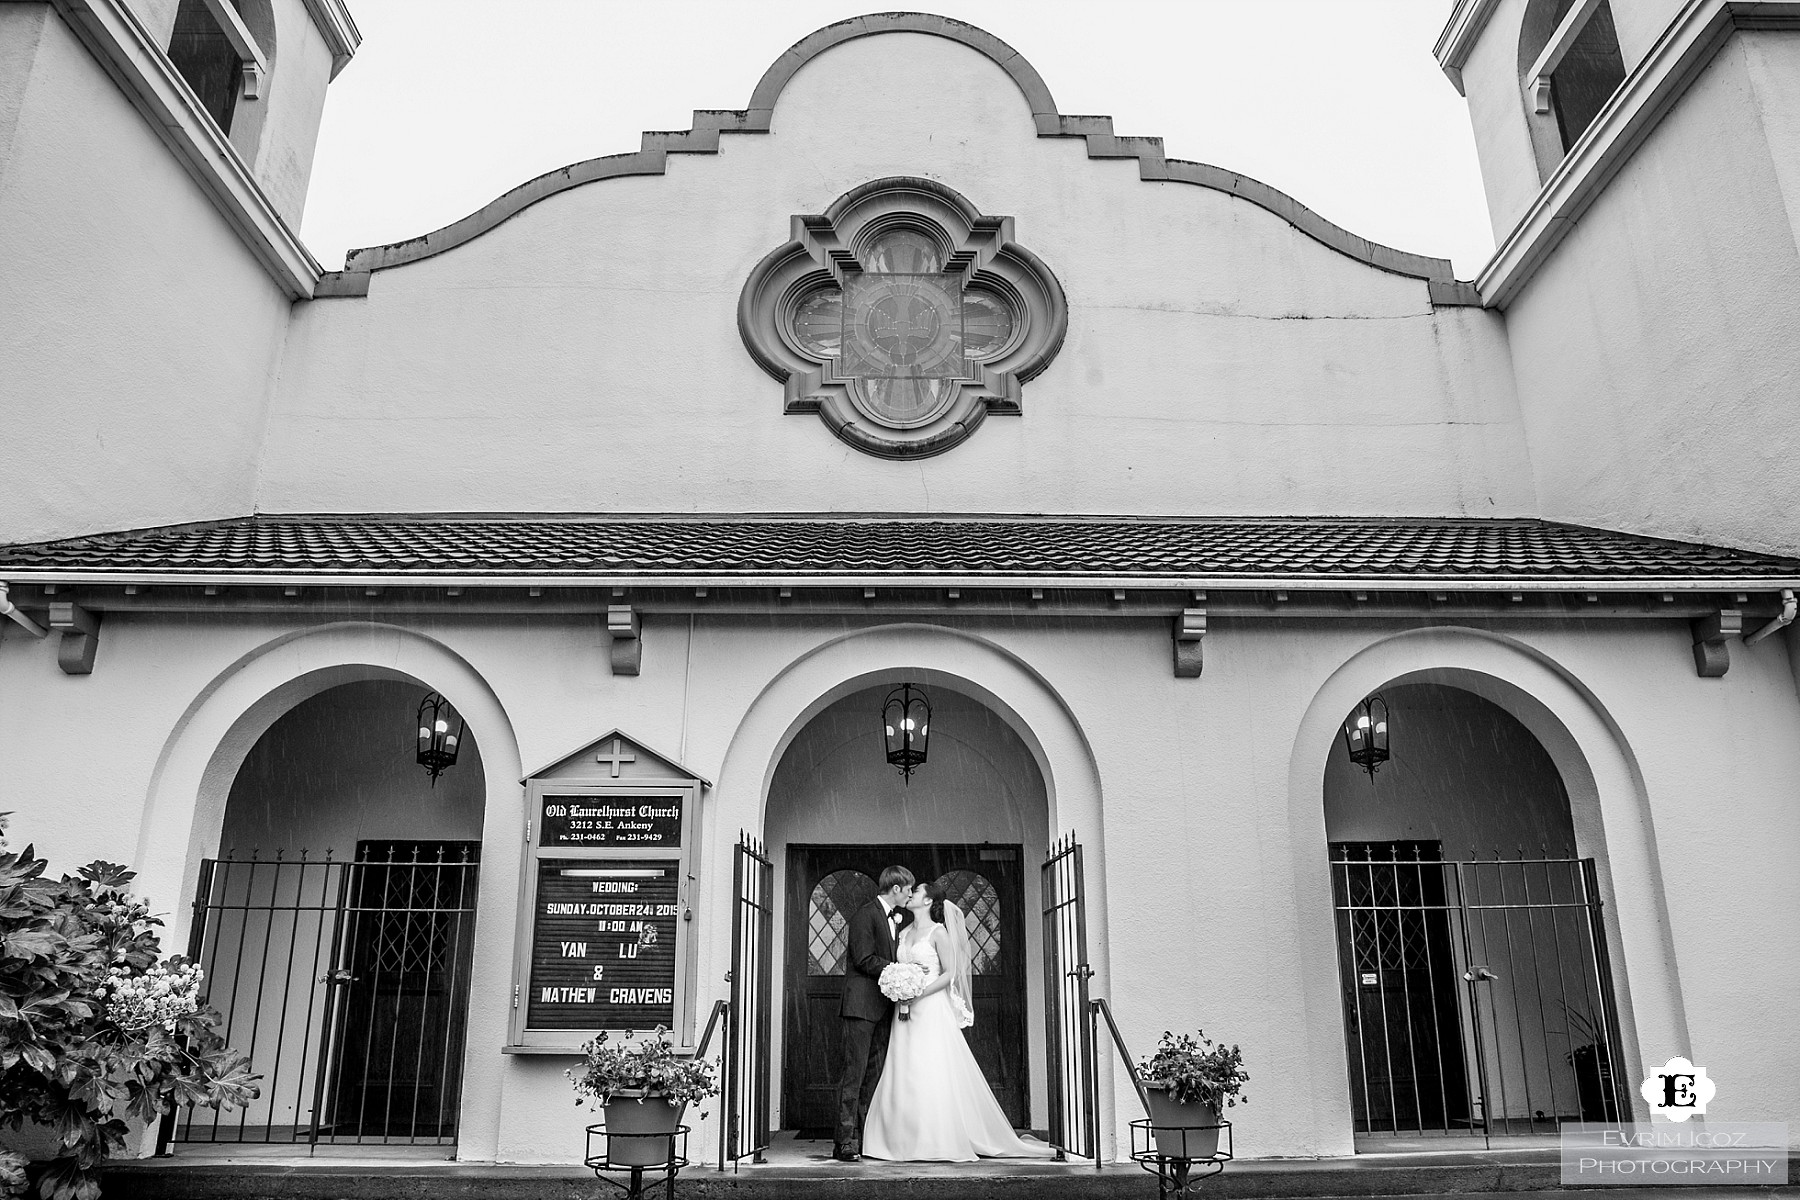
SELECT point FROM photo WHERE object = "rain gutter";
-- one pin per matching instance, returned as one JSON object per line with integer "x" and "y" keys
{"x": 916, "y": 579}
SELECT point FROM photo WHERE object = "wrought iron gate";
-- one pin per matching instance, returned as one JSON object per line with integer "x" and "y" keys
{"x": 347, "y": 984}
{"x": 1074, "y": 1115}
{"x": 1477, "y": 995}
{"x": 747, "y": 1066}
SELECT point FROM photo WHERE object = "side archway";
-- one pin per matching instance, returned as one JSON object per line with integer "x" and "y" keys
{"x": 1607, "y": 801}
{"x": 185, "y": 808}
{"x": 191, "y": 785}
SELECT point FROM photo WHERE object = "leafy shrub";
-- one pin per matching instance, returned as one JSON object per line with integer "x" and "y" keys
{"x": 650, "y": 1066}
{"x": 92, "y": 1027}
{"x": 1197, "y": 1071}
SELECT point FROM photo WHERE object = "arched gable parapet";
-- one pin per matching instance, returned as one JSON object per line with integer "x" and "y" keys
{"x": 1097, "y": 131}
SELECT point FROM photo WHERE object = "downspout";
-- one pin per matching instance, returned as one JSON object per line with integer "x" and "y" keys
{"x": 1788, "y": 608}
{"x": 38, "y": 631}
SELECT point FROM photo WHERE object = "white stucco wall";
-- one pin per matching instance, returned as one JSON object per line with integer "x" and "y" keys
{"x": 1653, "y": 353}
{"x": 1639, "y": 23}
{"x": 1199, "y": 833}
{"x": 141, "y": 335}
{"x": 584, "y": 354}
{"x": 281, "y": 154}
{"x": 1509, "y": 167}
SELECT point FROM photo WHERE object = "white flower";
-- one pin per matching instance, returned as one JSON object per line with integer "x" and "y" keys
{"x": 160, "y": 996}
{"x": 903, "y": 981}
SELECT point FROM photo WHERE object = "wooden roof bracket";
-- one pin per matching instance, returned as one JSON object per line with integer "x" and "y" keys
{"x": 1189, "y": 634}
{"x": 623, "y": 624}
{"x": 1712, "y": 653}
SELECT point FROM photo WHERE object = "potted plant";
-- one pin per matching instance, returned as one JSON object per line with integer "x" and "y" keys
{"x": 1190, "y": 1080}
{"x": 97, "y": 1029}
{"x": 643, "y": 1086}
{"x": 1593, "y": 1071}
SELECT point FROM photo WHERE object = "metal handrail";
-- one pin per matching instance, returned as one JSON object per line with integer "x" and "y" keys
{"x": 720, "y": 1007}
{"x": 1099, "y": 1006}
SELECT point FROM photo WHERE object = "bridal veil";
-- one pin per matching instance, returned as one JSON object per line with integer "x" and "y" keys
{"x": 961, "y": 965}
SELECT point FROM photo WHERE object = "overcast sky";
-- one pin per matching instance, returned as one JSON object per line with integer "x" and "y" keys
{"x": 1338, "y": 102}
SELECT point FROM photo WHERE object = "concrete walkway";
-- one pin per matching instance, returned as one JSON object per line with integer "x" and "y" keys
{"x": 804, "y": 1170}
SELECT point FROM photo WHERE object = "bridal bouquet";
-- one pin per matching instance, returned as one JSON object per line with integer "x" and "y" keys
{"x": 902, "y": 982}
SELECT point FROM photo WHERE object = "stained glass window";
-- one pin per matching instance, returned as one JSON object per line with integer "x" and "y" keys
{"x": 975, "y": 895}
{"x": 903, "y": 327}
{"x": 834, "y": 899}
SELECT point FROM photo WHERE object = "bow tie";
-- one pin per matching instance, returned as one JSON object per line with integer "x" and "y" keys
{"x": 894, "y": 914}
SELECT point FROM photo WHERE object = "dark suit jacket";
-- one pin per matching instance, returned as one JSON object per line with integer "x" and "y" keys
{"x": 871, "y": 949}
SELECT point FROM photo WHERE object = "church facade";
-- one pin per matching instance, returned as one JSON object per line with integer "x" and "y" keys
{"x": 1388, "y": 673}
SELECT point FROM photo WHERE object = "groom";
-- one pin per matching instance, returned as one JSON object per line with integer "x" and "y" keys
{"x": 868, "y": 1015}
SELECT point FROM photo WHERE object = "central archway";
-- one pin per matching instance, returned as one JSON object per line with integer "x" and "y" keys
{"x": 974, "y": 817}
{"x": 985, "y": 674}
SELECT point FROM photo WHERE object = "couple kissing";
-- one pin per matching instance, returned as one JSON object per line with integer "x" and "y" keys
{"x": 911, "y": 1090}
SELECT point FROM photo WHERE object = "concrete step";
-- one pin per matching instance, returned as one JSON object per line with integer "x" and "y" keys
{"x": 1466, "y": 1176}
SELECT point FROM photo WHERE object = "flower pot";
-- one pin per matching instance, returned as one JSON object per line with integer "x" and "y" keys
{"x": 633, "y": 1113}
{"x": 1178, "y": 1127}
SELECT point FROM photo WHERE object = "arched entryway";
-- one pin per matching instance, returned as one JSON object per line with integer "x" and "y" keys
{"x": 205, "y": 755}
{"x": 975, "y": 816}
{"x": 1477, "y": 985}
{"x": 336, "y": 924}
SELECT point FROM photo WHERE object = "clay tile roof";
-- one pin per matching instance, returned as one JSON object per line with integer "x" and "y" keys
{"x": 1251, "y": 551}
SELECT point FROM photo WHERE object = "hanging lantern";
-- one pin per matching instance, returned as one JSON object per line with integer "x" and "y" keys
{"x": 1366, "y": 734}
{"x": 906, "y": 725}
{"x": 440, "y": 735}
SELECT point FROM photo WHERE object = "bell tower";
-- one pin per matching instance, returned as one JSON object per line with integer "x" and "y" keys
{"x": 1536, "y": 74}
{"x": 260, "y": 69}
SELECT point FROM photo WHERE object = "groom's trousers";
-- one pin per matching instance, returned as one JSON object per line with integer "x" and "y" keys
{"x": 865, "y": 1052}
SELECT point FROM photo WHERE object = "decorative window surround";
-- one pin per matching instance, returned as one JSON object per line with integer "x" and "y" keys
{"x": 1647, "y": 94}
{"x": 1461, "y": 32}
{"x": 903, "y": 317}
{"x": 118, "y": 40}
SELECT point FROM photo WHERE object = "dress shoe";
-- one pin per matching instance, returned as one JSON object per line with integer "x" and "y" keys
{"x": 843, "y": 1155}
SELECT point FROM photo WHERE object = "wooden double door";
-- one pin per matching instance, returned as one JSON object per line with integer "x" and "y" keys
{"x": 825, "y": 885}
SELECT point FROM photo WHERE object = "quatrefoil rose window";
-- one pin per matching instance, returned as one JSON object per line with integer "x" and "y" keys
{"x": 903, "y": 317}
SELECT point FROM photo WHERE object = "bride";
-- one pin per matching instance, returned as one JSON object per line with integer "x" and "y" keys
{"x": 932, "y": 1103}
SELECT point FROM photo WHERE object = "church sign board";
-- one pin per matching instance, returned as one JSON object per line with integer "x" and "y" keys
{"x": 603, "y": 940}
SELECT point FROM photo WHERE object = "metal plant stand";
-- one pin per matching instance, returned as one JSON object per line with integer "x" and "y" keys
{"x": 1176, "y": 1175}
{"x": 635, "y": 1181}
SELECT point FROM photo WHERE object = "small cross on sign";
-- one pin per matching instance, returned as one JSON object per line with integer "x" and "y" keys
{"x": 616, "y": 756}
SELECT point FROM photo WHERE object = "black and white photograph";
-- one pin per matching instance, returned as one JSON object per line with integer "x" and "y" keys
{"x": 1078, "y": 599}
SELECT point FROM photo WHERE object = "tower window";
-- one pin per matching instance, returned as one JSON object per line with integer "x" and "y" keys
{"x": 1578, "y": 68}
{"x": 215, "y": 53}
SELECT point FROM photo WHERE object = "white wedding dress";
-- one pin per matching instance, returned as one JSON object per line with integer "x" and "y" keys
{"x": 932, "y": 1103}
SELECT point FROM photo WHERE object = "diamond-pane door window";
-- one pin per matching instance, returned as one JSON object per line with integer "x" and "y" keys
{"x": 975, "y": 895}
{"x": 834, "y": 899}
